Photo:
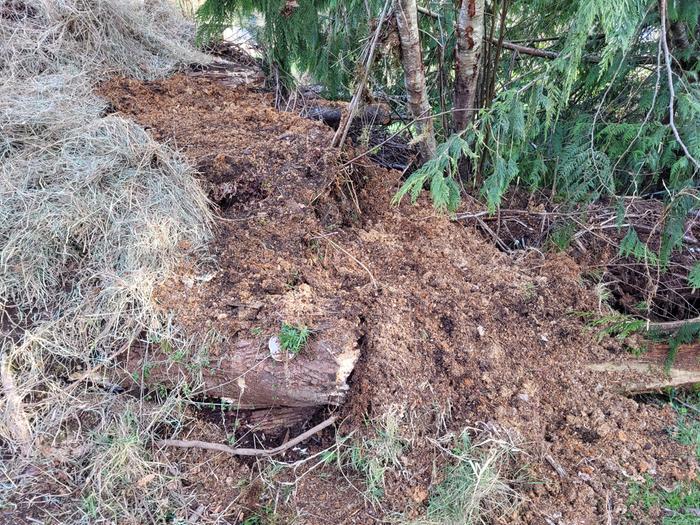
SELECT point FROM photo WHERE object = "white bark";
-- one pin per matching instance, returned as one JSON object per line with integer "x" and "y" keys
{"x": 470, "y": 34}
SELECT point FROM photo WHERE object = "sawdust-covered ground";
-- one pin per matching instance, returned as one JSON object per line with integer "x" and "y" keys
{"x": 452, "y": 332}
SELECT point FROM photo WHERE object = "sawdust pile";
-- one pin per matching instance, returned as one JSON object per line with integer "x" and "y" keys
{"x": 454, "y": 334}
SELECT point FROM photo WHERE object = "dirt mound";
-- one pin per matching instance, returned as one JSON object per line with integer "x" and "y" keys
{"x": 453, "y": 333}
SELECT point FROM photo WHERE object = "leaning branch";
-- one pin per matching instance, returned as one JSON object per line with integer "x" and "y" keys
{"x": 427, "y": 12}
{"x": 343, "y": 128}
{"x": 543, "y": 53}
{"x": 220, "y": 447}
{"x": 532, "y": 51}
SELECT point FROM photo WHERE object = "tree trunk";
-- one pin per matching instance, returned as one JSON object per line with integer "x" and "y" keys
{"x": 245, "y": 375}
{"x": 414, "y": 74}
{"x": 470, "y": 33}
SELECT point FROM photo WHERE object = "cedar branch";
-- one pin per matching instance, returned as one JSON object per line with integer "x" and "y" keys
{"x": 672, "y": 92}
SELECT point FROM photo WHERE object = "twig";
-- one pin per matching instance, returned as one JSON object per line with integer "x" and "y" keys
{"x": 364, "y": 267}
{"x": 197, "y": 514}
{"x": 247, "y": 451}
{"x": 672, "y": 92}
{"x": 556, "y": 466}
{"x": 686, "y": 405}
{"x": 493, "y": 234}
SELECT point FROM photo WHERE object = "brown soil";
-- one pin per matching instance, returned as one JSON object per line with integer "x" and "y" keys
{"x": 533, "y": 219}
{"x": 453, "y": 333}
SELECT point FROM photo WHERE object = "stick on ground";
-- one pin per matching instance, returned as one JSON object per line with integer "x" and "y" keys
{"x": 247, "y": 451}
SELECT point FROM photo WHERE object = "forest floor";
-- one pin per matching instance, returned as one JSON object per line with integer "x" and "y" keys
{"x": 454, "y": 336}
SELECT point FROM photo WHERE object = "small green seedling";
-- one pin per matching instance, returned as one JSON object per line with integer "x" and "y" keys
{"x": 293, "y": 338}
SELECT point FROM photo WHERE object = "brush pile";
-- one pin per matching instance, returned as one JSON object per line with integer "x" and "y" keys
{"x": 620, "y": 245}
{"x": 93, "y": 215}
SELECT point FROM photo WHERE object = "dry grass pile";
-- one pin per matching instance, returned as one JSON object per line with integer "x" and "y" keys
{"x": 93, "y": 215}
{"x": 137, "y": 38}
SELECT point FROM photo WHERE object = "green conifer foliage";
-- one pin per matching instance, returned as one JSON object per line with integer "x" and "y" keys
{"x": 574, "y": 95}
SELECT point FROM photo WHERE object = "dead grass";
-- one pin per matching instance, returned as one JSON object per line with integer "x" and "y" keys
{"x": 136, "y": 38}
{"x": 477, "y": 487}
{"x": 373, "y": 457}
{"x": 94, "y": 214}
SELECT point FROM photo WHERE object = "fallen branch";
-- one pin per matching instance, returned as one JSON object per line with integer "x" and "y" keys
{"x": 671, "y": 326}
{"x": 220, "y": 447}
{"x": 556, "y": 466}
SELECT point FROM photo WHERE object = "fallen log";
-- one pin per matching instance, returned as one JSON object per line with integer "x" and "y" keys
{"x": 245, "y": 375}
{"x": 687, "y": 357}
{"x": 379, "y": 114}
{"x": 648, "y": 372}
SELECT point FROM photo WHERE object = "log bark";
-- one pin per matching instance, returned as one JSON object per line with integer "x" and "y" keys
{"x": 470, "y": 33}
{"x": 277, "y": 418}
{"x": 245, "y": 375}
{"x": 414, "y": 76}
{"x": 647, "y": 373}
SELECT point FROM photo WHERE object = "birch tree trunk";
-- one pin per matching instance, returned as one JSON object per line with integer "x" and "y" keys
{"x": 470, "y": 34}
{"x": 414, "y": 74}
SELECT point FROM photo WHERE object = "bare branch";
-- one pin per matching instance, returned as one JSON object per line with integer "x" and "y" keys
{"x": 672, "y": 326}
{"x": 427, "y": 12}
{"x": 342, "y": 131}
{"x": 220, "y": 447}
{"x": 543, "y": 53}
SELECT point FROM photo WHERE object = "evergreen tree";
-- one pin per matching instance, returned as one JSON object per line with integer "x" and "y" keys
{"x": 583, "y": 98}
